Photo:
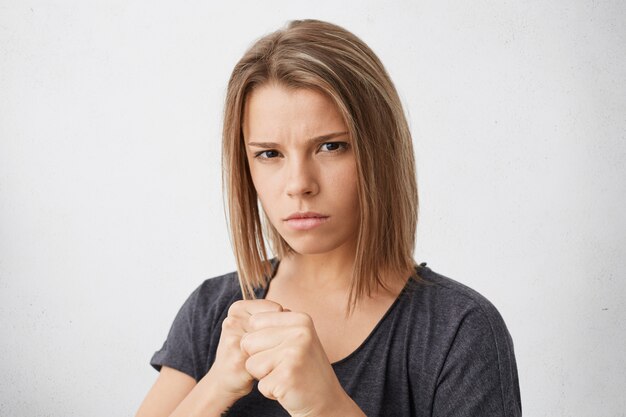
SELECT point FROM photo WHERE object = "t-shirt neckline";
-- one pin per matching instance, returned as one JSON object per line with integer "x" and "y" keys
{"x": 275, "y": 262}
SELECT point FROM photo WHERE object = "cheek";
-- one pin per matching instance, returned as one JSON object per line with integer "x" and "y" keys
{"x": 264, "y": 189}
{"x": 343, "y": 182}
{"x": 258, "y": 180}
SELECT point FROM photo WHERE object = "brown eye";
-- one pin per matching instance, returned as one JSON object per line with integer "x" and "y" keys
{"x": 268, "y": 154}
{"x": 334, "y": 146}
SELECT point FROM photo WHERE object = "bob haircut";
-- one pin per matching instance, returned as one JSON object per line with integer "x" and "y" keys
{"x": 317, "y": 55}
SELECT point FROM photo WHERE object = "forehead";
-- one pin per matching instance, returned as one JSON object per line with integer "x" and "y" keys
{"x": 275, "y": 110}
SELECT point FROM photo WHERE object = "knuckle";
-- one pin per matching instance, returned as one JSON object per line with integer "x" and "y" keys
{"x": 279, "y": 392}
{"x": 258, "y": 369}
{"x": 250, "y": 365}
{"x": 235, "y": 307}
{"x": 293, "y": 354}
{"x": 228, "y": 323}
{"x": 244, "y": 344}
{"x": 271, "y": 390}
{"x": 231, "y": 325}
{"x": 304, "y": 319}
{"x": 264, "y": 388}
{"x": 289, "y": 375}
{"x": 305, "y": 336}
{"x": 255, "y": 321}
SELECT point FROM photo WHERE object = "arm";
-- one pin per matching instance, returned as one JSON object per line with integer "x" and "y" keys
{"x": 479, "y": 375}
{"x": 176, "y": 394}
{"x": 304, "y": 383}
{"x": 170, "y": 388}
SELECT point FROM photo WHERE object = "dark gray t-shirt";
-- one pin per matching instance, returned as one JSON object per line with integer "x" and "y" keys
{"x": 441, "y": 349}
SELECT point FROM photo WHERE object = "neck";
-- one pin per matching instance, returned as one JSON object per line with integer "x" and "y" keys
{"x": 325, "y": 272}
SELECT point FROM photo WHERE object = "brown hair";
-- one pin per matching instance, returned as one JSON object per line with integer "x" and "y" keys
{"x": 322, "y": 56}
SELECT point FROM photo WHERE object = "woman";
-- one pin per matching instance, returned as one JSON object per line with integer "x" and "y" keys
{"x": 342, "y": 322}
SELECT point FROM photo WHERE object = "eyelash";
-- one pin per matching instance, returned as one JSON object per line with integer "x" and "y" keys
{"x": 342, "y": 147}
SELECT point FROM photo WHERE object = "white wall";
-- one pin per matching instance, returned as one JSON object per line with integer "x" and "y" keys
{"x": 110, "y": 201}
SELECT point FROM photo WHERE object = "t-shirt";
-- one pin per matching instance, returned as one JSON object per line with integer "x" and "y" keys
{"x": 441, "y": 349}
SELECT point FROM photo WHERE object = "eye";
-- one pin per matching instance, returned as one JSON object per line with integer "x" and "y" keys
{"x": 266, "y": 154}
{"x": 334, "y": 146}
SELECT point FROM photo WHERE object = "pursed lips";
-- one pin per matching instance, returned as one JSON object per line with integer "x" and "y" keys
{"x": 305, "y": 215}
{"x": 305, "y": 221}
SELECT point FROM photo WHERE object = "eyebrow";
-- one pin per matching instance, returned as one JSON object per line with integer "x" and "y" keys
{"x": 310, "y": 141}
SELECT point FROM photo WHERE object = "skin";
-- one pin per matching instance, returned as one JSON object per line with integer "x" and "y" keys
{"x": 291, "y": 174}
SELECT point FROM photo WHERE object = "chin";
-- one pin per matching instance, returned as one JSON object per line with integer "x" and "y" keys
{"x": 309, "y": 251}
{"x": 313, "y": 245}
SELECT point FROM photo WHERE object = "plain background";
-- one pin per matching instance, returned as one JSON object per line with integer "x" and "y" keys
{"x": 110, "y": 196}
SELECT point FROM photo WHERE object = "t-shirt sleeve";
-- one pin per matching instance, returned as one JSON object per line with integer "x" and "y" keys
{"x": 479, "y": 375}
{"x": 177, "y": 351}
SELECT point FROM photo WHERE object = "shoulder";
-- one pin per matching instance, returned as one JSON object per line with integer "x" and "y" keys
{"x": 467, "y": 339}
{"x": 206, "y": 305}
{"x": 214, "y": 295}
{"x": 194, "y": 332}
{"x": 451, "y": 299}
{"x": 210, "y": 301}
{"x": 444, "y": 316}
{"x": 222, "y": 286}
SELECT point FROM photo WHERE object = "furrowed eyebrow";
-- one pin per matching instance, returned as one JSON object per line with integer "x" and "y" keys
{"x": 310, "y": 141}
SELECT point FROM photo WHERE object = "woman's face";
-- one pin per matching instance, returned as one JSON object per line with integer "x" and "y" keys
{"x": 302, "y": 165}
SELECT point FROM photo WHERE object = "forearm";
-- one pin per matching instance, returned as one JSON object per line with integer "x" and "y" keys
{"x": 205, "y": 400}
{"x": 344, "y": 406}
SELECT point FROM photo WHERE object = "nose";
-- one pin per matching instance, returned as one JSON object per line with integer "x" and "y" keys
{"x": 301, "y": 180}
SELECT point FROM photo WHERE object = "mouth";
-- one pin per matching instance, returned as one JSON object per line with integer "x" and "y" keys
{"x": 306, "y": 221}
{"x": 306, "y": 215}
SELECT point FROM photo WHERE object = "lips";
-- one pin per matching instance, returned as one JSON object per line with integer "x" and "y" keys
{"x": 305, "y": 215}
{"x": 306, "y": 221}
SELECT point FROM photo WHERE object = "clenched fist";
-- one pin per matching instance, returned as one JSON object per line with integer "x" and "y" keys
{"x": 230, "y": 360}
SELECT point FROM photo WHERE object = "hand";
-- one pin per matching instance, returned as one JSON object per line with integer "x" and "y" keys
{"x": 287, "y": 358}
{"x": 229, "y": 366}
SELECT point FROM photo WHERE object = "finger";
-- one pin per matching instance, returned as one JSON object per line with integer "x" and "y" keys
{"x": 278, "y": 319}
{"x": 261, "y": 364}
{"x": 272, "y": 385}
{"x": 265, "y": 339}
{"x": 234, "y": 325}
{"x": 262, "y": 305}
{"x": 245, "y": 308}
